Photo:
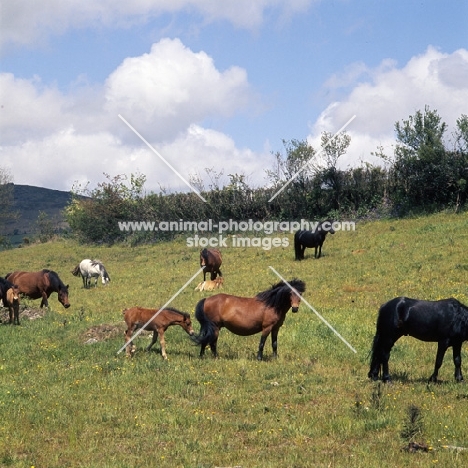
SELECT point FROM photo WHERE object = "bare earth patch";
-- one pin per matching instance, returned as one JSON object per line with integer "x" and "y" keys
{"x": 102, "y": 332}
{"x": 30, "y": 313}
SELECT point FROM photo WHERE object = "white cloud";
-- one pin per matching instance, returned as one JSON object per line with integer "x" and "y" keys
{"x": 164, "y": 91}
{"x": 57, "y": 139}
{"x": 28, "y": 23}
{"x": 389, "y": 94}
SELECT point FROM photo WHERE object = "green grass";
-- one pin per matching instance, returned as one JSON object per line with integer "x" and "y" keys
{"x": 66, "y": 403}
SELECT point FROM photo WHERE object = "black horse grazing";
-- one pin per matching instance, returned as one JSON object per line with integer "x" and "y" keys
{"x": 315, "y": 238}
{"x": 444, "y": 322}
{"x": 210, "y": 261}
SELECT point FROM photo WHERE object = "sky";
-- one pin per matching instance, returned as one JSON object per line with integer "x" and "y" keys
{"x": 95, "y": 89}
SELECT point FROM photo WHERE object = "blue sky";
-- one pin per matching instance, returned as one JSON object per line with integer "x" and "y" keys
{"x": 216, "y": 84}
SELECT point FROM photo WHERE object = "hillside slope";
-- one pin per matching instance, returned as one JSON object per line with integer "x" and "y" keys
{"x": 29, "y": 201}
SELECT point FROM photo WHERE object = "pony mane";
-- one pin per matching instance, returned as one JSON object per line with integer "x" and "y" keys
{"x": 54, "y": 278}
{"x": 278, "y": 296}
{"x": 103, "y": 271}
{"x": 204, "y": 254}
{"x": 184, "y": 314}
{"x": 5, "y": 285}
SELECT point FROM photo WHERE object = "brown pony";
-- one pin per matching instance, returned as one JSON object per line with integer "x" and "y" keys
{"x": 136, "y": 317}
{"x": 246, "y": 316}
{"x": 9, "y": 294}
{"x": 210, "y": 261}
{"x": 40, "y": 284}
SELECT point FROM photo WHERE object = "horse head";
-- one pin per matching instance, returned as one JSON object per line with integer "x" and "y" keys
{"x": 13, "y": 295}
{"x": 327, "y": 226}
{"x": 203, "y": 258}
{"x": 187, "y": 325}
{"x": 298, "y": 288}
{"x": 63, "y": 296}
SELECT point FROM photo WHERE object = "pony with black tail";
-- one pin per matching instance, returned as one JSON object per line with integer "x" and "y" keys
{"x": 247, "y": 316}
{"x": 444, "y": 321}
{"x": 314, "y": 238}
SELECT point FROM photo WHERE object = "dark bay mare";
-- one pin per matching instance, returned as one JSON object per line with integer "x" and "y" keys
{"x": 40, "y": 285}
{"x": 315, "y": 238}
{"x": 9, "y": 294}
{"x": 246, "y": 316}
{"x": 444, "y": 322}
{"x": 210, "y": 261}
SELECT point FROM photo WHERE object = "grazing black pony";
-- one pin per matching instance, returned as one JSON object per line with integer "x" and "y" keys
{"x": 444, "y": 322}
{"x": 315, "y": 238}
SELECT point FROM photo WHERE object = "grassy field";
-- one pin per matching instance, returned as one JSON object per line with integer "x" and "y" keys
{"x": 67, "y": 399}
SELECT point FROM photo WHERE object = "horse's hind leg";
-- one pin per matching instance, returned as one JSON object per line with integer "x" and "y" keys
{"x": 162, "y": 342}
{"x": 441, "y": 349}
{"x": 380, "y": 358}
{"x": 213, "y": 347}
{"x": 261, "y": 345}
{"x": 202, "y": 349}
{"x": 154, "y": 338}
{"x": 457, "y": 361}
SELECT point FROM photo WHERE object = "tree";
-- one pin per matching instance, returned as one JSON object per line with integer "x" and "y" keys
{"x": 333, "y": 147}
{"x": 94, "y": 214}
{"x": 6, "y": 198}
{"x": 422, "y": 173}
{"x": 461, "y": 135}
{"x": 45, "y": 227}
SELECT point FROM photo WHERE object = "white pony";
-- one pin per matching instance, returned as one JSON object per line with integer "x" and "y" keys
{"x": 88, "y": 269}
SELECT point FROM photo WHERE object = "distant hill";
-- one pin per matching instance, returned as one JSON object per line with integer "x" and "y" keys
{"x": 29, "y": 201}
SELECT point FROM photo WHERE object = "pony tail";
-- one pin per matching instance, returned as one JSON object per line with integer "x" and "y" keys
{"x": 207, "y": 328}
{"x": 375, "y": 344}
{"x": 297, "y": 246}
{"x": 375, "y": 358}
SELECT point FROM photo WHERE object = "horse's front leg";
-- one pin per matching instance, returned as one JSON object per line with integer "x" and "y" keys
{"x": 13, "y": 314}
{"x": 441, "y": 349}
{"x": 130, "y": 348}
{"x": 162, "y": 342}
{"x": 319, "y": 248}
{"x": 44, "y": 301}
{"x": 457, "y": 361}
{"x": 274, "y": 341}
